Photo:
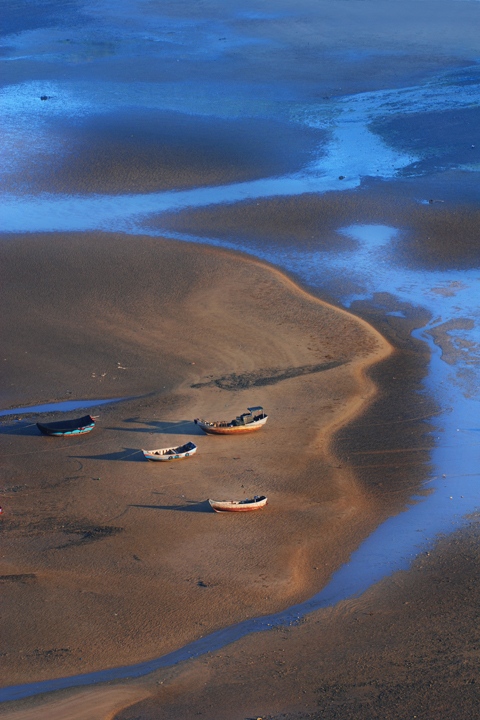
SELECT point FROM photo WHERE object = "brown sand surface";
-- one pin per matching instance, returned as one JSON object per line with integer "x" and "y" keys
{"x": 407, "y": 648}
{"x": 89, "y": 704}
{"x": 107, "y": 559}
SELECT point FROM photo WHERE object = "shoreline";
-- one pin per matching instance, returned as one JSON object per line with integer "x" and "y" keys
{"x": 293, "y": 575}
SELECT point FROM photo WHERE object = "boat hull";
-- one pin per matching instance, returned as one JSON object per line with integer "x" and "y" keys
{"x": 69, "y": 427}
{"x": 164, "y": 458}
{"x": 237, "y": 506}
{"x": 59, "y": 433}
{"x": 167, "y": 454}
{"x": 218, "y": 429}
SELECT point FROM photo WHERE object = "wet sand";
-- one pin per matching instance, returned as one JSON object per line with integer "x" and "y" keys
{"x": 110, "y": 560}
{"x": 406, "y": 648}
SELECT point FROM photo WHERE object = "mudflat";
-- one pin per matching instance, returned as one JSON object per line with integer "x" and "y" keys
{"x": 109, "y": 559}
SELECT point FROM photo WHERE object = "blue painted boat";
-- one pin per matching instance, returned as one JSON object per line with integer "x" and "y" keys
{"x": 78, "y": 426}
{"x": 173, "y": 453}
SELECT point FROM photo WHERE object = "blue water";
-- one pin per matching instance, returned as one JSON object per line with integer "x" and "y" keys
{"x": 352, "y": 147}
{"x": 64, "y": 406}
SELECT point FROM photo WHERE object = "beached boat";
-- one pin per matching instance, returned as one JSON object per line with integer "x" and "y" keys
{"x": 259, "y": 501}
{"x": 78, "y": 426}
{"x": 172, "y": 453}
{"x": 252, "y": 420}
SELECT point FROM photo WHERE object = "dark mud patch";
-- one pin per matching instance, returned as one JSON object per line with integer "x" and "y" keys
{"x": 441, "y": 139}
{"x": 77, "y": 532}
{"x": 86, "y": 534}
{"x": 150, "y": 151}
{"x": 49, "y": 654}
{"x": 389, "y": 444}
{"x": 13, "y": 488}
{"x": 270, "y": 376}
{"x": 18, "y": 578}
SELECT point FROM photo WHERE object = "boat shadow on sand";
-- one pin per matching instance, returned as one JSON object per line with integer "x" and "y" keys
{"x": 20, "y": 428}
{"x": 127, "y": 454}
{"x": 189, "y": 506}
{"x": 180, "y": 427}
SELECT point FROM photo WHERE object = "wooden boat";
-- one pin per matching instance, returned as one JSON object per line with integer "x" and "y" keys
{"x": 172, "y": 453}
{"x": 252, "y": 420}
{"x": 259, "y": 501}
{"x": 78, "y": 426}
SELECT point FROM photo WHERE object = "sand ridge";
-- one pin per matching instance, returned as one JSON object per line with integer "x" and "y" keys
{"x": 111, "y": 560}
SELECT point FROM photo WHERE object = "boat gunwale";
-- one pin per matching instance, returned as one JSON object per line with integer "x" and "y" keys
{"x": 238, "y": 505}
{"x": 219, "y": 427}
{"x": 161, "y": 454}
{"x": 68, "y": 427}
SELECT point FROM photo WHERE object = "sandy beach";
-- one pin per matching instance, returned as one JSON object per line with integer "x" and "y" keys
{"x": 110, "y": 560}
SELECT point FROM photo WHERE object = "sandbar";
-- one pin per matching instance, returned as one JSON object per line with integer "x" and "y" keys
{"x": 110, "y": 560}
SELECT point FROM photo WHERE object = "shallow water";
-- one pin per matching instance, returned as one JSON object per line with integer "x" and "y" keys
{"x": 364, "y": 121}
{"x": 65, "y": 406}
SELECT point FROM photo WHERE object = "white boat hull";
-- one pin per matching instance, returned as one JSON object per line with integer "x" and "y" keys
{"x": 167, "y": 454}
{"x": 238, "y": 505}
